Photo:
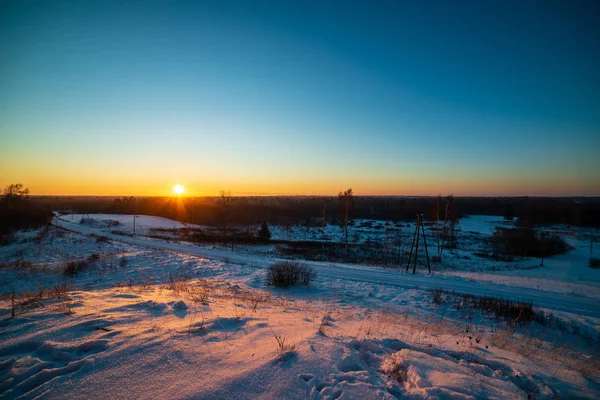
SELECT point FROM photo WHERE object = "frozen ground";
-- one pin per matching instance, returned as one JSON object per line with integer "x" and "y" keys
{"x": 149, "y": 318}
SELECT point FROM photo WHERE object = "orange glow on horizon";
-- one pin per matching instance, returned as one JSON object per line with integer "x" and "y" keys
{"x": 408, "y": 186}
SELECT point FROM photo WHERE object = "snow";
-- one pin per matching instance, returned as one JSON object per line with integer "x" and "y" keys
{"x": 141, "y": 343}
{"x": 124, "y": 223}
{"x": 182, "y": 321}
{"x": 482, "y": 224}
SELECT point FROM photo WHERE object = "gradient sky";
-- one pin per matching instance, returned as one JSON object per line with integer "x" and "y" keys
{"x": 299, "y": 97}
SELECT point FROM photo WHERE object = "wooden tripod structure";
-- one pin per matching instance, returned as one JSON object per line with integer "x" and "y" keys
{"x": 415, "y": 245}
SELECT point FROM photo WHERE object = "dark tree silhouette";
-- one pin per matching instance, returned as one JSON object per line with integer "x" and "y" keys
{"x": 17, "y": 212}
{"x": 509, "y": 214}
{"x": 15, "y": 195}
{"x": 225, "y": 199}
{"x": 346, "y": 200}
{"x": 264, "y": 234}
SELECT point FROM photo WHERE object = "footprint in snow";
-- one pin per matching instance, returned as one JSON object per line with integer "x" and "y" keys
{"x": 31, "y": 365}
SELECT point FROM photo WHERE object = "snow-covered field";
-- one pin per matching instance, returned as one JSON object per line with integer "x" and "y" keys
{"x": 149, "y": 318}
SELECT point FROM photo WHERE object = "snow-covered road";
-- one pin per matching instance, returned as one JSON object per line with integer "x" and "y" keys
{"x": 554, "y": 301}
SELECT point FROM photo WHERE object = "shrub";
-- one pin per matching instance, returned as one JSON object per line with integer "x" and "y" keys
{"x": 594, "y": 262}
{"x": 101, "y": 239}
{"x": 6, "y": 239}
{"x": 525, "y": 242}
{"x": 73, "y": 267}
{"x": 23, "y": 264}
{"x": 436, "y": 296}
{"x": 284, "y": 274}
{"x": 512, "y": 310}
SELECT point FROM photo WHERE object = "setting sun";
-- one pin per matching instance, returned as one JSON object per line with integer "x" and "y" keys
{"x": 178, "y": 189}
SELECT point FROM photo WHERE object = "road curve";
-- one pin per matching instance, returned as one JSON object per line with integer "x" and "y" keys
{"x": 560, "y": 302}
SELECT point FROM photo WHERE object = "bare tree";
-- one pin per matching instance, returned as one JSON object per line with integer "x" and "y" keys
{"x": 386, "y": 233}
{"x": 450, "y": 217}
{"x": 446, "y": 232}
{"x": 436, "y": 216}
{"x": 14, "y": 194}
{"x": 224, "y": 199}
{"x": 324, "y": 224}
{"x": 400, "y": 244}
{"x": 324, "y": 210}
{"x": 346, "y": 200}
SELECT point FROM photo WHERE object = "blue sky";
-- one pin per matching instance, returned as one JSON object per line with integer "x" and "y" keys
{"x": 301, "y": 97}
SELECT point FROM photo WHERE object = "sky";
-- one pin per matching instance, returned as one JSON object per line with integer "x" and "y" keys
{"x": 301, "y": 97}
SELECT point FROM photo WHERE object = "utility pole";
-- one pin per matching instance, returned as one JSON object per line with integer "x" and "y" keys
{"x": 385, "y": 245}
{"x": 400, "y": 247}
{"x": 193, "y": 210}
{"x": 134, "y": 214}
{"x": 543, "y": 237}
{"x": 324, "y": 224}
{"x": 415, "y": 243}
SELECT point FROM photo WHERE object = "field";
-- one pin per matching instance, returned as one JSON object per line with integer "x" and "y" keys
{"x": 90, "y": 310}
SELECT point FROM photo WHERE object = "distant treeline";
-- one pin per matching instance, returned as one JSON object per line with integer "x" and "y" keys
{"x": 307, "y": 210}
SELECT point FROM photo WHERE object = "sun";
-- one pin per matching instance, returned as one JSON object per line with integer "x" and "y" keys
{"x": 178, "y": 189}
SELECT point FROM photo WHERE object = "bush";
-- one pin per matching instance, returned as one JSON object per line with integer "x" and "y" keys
{"x": 73, "y": 267}
{"x": 594, "y": 262}
{"x": 512, "y": 310}
{"x": 436, "y": 296}
{"x": 284, "y": 274}
{"x": 6, "y": 239}
{"x": 23, "y": 264}
{"x": 101, "y": 239}
{"x": 525, "y": 242}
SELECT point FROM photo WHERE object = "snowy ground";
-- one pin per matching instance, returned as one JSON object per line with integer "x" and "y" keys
{"x": 567, "y": 273}
{"x": 152, "y": 319}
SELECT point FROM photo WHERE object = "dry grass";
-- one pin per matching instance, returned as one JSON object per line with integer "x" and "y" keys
{"x": 66, "y": 307}
{"x": 24, "y": 302}
{"x": 325, "y": 322}
{"x": 194, "y": 326}
{"x": 395, "y": 369}
{"x": 285, "y": 349}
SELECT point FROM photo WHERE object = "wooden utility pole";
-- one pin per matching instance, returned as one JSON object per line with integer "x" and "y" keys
{"x": 194, "y": 211}
{"x": 415, "y": 244}
{"x": 400, "y": 247}
{"x": 134, "y": 215}
{"x": 346, "y": 199}
{"x": 543, "y": 236}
